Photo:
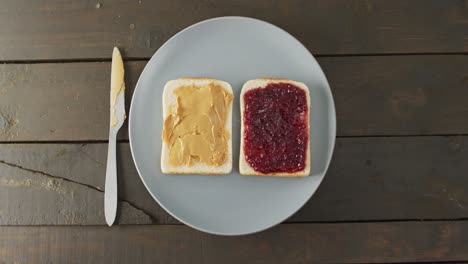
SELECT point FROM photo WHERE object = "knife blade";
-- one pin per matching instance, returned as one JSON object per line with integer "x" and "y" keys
{"x": 117, "y": 118}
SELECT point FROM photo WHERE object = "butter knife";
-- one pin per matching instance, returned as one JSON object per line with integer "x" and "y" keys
{"x": 117, "y": 118}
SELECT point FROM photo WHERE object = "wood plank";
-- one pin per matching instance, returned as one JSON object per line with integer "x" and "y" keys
{"x": 52, "y": 29}
{"x": 56, "y": 184}
{"x": 393, "y": 178}
{"x": 369, "y": 179}
{"x": 58, "y": 101}
{"x": 377, "y": 95}
{"x": 300, "y": 243}
{"x": 409, "y": 95}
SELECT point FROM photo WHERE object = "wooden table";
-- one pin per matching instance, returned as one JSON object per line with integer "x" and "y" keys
{"x": 397, "y": 188}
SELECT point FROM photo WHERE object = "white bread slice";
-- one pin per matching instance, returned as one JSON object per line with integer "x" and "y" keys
{"x": 169, "y": 99}
{"x": 244, "y": 166}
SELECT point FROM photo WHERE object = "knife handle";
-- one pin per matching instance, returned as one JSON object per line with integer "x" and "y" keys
{"x": 110, "y": 194}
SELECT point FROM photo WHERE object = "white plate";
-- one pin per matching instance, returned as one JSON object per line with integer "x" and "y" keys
{"x": 233, "y": 49}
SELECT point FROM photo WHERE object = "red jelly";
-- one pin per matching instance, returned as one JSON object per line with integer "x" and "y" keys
{"x": 276, "y": 128}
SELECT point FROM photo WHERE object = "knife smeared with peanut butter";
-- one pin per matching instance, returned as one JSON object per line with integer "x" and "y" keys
{"x": 195, "y": 129}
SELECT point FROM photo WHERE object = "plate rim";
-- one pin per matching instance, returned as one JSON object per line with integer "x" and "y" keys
{"x": 332, "y": 124}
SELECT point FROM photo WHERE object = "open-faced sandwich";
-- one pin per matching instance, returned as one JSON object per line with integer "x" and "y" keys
{"x": 274, "y": 128}
{"x": 197, "y": 127}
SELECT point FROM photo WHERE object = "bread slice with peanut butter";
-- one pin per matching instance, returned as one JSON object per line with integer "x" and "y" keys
{"x": 197, "y": 127}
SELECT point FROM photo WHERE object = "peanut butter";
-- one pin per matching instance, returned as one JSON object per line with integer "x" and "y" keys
{"x": 117, "y": 82}
{"x": 195, "y": 129}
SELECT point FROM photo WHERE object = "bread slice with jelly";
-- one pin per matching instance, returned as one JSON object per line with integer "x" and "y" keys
{"x": 275, "y": 128}
{"x": 197, "y": 131}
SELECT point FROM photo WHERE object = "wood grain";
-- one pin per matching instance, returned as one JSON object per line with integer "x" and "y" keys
{"x": 304, "y": 243}
{"x": 59, "y": 101}
{"x": 392, "y": 178}
{"x": 392, "y": 95}
{"x": 369, "y": 179}
{"x": 56, "y": 184}
{"x": 377, "y": 95}
{"x": 66, "y": 29}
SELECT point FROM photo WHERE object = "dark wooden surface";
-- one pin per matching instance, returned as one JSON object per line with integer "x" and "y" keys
{"x": 397, "y": 187}
{"x": 297, "y": 243}
{"x": 53, "y": 29}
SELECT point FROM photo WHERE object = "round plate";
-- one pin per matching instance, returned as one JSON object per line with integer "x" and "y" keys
{"x": 233, "y": 49}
